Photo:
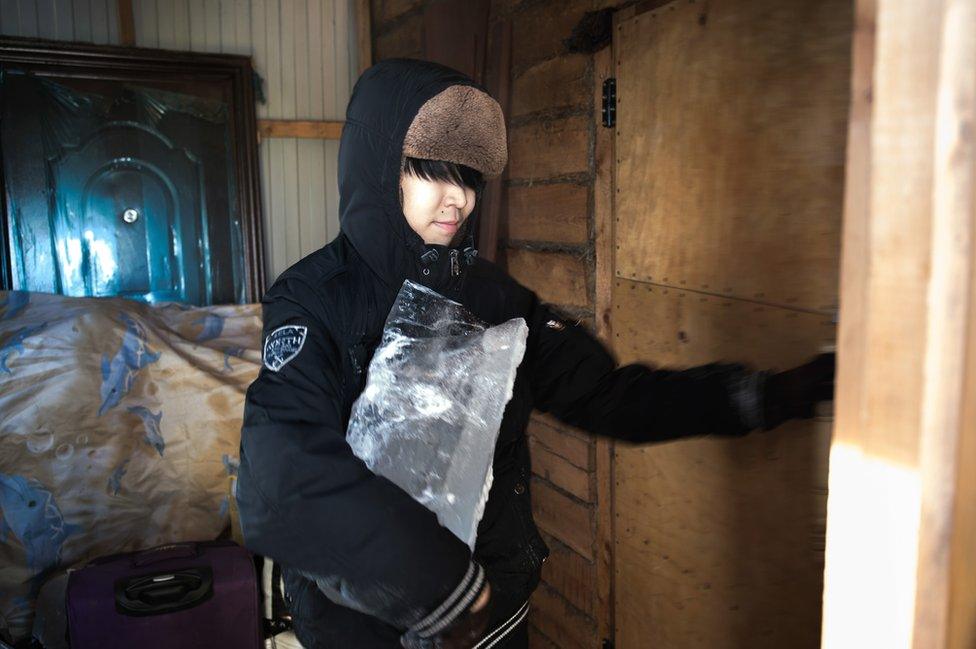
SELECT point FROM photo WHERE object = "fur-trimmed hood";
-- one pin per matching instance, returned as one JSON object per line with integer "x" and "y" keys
{"x": 421, "y": 109}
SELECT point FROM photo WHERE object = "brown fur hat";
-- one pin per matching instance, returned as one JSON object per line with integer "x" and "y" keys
{"x": 460, "y": 124}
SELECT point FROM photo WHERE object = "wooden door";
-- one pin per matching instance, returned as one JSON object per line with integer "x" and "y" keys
{"x": 728, "y": 191}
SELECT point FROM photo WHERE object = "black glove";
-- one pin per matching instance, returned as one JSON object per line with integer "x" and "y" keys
{"x": 463, "y": 633}
{"x": 794, "y": 394}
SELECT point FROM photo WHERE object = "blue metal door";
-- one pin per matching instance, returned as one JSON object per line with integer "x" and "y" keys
{"x": 110, "y": 190}
{"x": 130, "y": 217}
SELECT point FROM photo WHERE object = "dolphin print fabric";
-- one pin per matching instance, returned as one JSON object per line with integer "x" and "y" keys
{"x": 119, "y": 430}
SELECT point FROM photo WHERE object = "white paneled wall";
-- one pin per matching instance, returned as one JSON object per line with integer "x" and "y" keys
{"x": 91, "y": 21}
{"x": 304, "y": 50}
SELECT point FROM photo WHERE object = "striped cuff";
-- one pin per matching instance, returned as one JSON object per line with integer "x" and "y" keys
{"x": 456, "y": 604}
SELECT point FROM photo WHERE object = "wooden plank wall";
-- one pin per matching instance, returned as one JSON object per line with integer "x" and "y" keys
{"x": 556, "y": 204}
{"x": 728, "y": 191}
{"x": 307, "y": 55}
{"x": 546, "y": 235}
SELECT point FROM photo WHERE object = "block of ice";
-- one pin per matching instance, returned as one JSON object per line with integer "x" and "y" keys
{"x": 435, "y": 393}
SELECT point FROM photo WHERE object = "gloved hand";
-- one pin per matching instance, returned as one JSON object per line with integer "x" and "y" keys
{"x": 463, "y": 633}
{"x": 794, "y": 394}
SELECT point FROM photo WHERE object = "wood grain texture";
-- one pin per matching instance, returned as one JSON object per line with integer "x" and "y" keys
{"x": 406, "y": 39}
{"x": 364, "y": 35}
{"x": 561, "y": 516}
{"x": 875, "y": 484}
{"x": 962, "y": 589}
{"x": 127, "y": 26}
{"x": 554, "y": 212}
{"x": 560, "y": 622}
{"x": 558, "y": 278}
{"x": 541, "y": 28}
{"x": 603, "y": 248}
{"x": 744, "y": 105}
{"x": 536, "y": 638}
{"x": 676, "y": 327}
{"x": 386, "y": 10}
{"x": 950, "y": 302}
{"x": 296, "y": 128}
{"x": 561, "y": 440}
{"x": 572, "y": 576}
{"x": 557, "y": 83}
{"x": 548, "y": 149}
{"x": 498, "y": 81}
{"x": 561, "y": 472}
{"x": 902, "y": 523}
{"x": 729, "y": 159}
{"x": 719, "y": 543}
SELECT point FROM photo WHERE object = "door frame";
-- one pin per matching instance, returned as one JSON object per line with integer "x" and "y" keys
{"x": 603, "y": 210}
{"x": 131, "y": 64}
{"x": 901, "y": 515}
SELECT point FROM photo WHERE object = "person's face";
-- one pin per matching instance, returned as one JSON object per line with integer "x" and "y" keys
{"x": 436, "y": 210}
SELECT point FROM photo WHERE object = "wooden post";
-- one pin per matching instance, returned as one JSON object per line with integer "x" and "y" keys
{"x": 603, "y": 247}
{"x": 127, "y": 25}
{"x": 364, "y": 35}
{"x": 306, "y": 129}
{"x": 901, "y": 522}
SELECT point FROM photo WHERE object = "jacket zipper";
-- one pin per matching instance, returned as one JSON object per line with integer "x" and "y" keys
{"x": 455, "y": 264}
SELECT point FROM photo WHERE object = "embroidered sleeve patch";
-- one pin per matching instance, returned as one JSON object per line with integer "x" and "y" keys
{"x": 282, "y": 345}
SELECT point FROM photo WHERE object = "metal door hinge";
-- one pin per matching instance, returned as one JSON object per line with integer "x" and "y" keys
{"x": 610, "y": 102}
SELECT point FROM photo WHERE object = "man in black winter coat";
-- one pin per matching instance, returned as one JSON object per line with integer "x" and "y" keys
{"x": 365, "y": 565}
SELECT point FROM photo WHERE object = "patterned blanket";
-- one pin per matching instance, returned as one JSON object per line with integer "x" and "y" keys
{"x": 119, "y": 429}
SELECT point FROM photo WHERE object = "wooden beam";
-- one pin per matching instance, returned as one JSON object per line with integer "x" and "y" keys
{"x": 561, "y": 440}
{"x": 572, "y": 576}
{"x": 950, "y": 302}
{"x": 364, "y": 35}
{"x": 566, "y": 627}
{"x": 563, "y": 517}
{"x": 306, "y": 129}
{"x": 127, "y": 24}
{"x": 901, "y": 514}
{"x": 603, "y": 311}
{"x": 962, "y": 590}
{"x": 498, "y": 80}
{"x": 561, "y": 472}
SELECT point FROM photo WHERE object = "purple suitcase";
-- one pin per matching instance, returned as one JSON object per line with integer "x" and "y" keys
{"x": 179, "y": 596}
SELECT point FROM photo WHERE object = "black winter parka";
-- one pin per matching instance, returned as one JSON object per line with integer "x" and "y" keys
{"x": 383, "y": 561}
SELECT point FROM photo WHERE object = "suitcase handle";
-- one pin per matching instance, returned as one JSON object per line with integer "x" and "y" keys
{"x": 165, "y": 552}
{"x": 163, "y": 592}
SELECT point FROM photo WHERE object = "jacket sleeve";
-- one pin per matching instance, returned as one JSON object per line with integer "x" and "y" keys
{"x": 575, "y": 378}
{"x": 306, "y": 501}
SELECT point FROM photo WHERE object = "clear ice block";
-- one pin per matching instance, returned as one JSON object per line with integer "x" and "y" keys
{"x": 436, "y": 390}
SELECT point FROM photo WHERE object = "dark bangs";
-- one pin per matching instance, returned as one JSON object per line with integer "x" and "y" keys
{"x": 448, "y": 172}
